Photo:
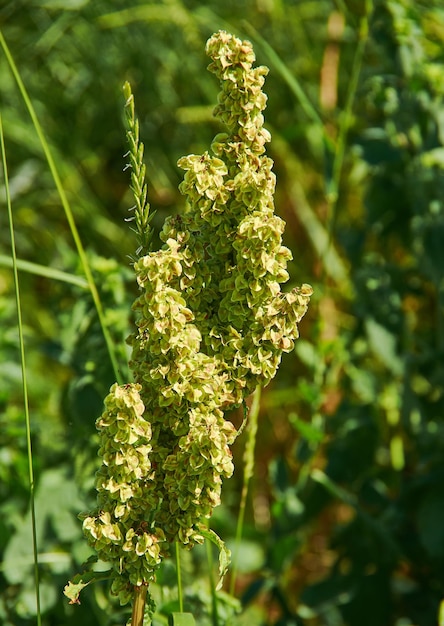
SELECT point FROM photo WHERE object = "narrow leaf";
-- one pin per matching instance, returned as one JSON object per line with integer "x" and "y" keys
{"x": 224, "y": 552}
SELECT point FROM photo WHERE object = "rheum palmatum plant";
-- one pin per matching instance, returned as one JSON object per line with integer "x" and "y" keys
{"x": 212, "y": 324}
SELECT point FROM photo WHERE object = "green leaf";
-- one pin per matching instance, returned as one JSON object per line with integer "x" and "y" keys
{"x": 59, "y": 511}
{"x": 310, "y": 432}
{"x": 42, "y": 270}
{"x": 72, "y": 590}
{"x": 224, "y": 552}
{"x": 75, "y": 586}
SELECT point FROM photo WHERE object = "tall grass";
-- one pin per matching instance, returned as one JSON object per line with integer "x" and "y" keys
{"x": 24, "y": 375}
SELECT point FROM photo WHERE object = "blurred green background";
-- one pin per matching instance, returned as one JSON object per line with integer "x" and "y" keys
{"x": 345, "y": 514}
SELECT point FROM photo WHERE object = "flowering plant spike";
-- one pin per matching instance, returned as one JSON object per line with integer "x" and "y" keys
{"x": 212, "y": 324}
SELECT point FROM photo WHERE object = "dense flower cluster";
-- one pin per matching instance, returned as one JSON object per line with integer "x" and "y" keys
{"x": 212, "y": 324}
{"x": 121, "y": 531}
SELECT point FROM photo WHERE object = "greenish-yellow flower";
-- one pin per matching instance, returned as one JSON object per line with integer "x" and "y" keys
{"x": 212, "y": 324}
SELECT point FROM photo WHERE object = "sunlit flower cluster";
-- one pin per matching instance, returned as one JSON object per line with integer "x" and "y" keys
{"x": 212, "y": 324}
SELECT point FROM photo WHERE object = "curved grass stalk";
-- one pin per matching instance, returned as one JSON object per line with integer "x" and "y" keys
{"x": 24, "y": 380}
{"x": 66, "y": 206}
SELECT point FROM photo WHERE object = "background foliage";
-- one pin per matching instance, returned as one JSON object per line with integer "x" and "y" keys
{"x": 344, "y": 524}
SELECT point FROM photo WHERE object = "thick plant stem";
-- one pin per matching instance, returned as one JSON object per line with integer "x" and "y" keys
{"x": 139, "y": 605}
{"x": 248, "y": 473}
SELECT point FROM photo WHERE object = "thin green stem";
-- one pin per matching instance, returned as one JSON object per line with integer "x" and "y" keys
{"x": 24, "y": 380}
{"x": 214, "y": 611}
{"x": 66, "y": 206}
{"x": 346, "y": 119}
{"x": 248, "y": 473}
{"x": 179, "y": 577}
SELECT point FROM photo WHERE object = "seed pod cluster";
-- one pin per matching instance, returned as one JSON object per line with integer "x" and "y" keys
{"x": 212, "y": 324}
